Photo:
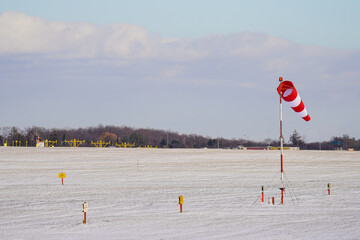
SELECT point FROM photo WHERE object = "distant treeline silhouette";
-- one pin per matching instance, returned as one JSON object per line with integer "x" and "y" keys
{"x": 155, "y": 137}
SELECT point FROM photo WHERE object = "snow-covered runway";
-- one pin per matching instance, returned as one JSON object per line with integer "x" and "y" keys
{"x": 133, "y": 194}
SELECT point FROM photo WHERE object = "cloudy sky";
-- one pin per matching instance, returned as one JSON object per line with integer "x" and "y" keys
{"x": 204, "y": 67}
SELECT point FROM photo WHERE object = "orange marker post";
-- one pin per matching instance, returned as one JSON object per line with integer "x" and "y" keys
{"x": 85, "y": 209}
{"x": 262, "y": 193}
{"x": 181, "y": 201}
{"x": 329, "y": 188}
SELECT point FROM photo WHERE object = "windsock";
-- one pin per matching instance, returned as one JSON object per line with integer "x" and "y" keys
{"x": 288, "y": 92}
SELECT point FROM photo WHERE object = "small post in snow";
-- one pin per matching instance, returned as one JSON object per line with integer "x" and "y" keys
{"x": 329, "y": 188}
{"x": 181, "y": 201}
{"x": 262, "y": 193}
{"x": 85, "y": 209}
{"x": 271, "y": 200}
{"x": 62, "y": 176}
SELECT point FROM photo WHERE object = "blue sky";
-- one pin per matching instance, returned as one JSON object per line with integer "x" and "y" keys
{"x": 204, "y": 67}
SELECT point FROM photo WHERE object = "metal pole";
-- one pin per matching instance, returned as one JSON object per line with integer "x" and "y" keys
{"x": 281, "y": 150}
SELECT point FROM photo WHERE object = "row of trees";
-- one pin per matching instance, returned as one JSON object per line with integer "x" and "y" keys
{"x": 159, "y": 138}
{"x": 345, "y": 142}
{"x": 114, "y": 134}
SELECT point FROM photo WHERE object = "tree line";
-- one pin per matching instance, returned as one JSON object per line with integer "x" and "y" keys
{"x": 155, "y": 137}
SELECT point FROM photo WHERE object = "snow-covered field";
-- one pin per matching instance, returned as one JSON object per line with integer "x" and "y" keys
{"x": 133, "y": 194}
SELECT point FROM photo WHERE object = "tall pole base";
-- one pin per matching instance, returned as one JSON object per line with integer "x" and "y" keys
{"x": 282, "y": 195}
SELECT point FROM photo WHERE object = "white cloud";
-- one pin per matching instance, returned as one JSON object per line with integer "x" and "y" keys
{"x": 124, "y": 40}
{"x": 23, "y": 34}
{"x": 224, "y": 59}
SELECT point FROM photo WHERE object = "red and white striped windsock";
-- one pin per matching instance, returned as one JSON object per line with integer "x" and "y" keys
{"x": 288, "y": 92}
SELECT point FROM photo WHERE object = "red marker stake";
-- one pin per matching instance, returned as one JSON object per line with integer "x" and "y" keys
{"x": 262, "y": 194}
{"x": 62, "y": 181}
{"x": 85, "y": 209}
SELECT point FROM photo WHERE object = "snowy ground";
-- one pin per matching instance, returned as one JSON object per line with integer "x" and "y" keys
{"x": 133, "y": 194}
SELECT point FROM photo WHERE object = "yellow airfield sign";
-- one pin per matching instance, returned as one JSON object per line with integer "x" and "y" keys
{"x": 62, "y": 175}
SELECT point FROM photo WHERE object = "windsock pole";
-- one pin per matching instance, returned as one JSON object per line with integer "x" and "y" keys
{"x": 281, "y": 150}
